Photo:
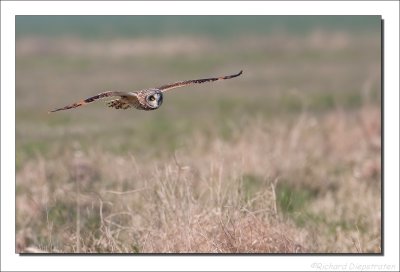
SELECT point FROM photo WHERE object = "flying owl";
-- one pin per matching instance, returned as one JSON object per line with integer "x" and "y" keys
{"x": 147, "y": 99}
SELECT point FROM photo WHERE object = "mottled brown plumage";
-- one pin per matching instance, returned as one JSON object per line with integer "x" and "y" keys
{"x": 178, "y": 84}
{"x": 148, "y": 99}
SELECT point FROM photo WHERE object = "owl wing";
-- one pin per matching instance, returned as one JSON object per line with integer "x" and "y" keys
{"x": 178, "y": 84}
{"x": 127, "y": 95}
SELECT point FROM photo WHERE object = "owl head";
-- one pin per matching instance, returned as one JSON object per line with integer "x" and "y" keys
{"x": 151, "y": 99}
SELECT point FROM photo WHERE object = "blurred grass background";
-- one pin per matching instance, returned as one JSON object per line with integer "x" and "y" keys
{"x": 298, "y": 70}
{"x": 100, "y": 27}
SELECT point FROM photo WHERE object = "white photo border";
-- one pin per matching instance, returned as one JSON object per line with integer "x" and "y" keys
{"x": 10, "y": 261}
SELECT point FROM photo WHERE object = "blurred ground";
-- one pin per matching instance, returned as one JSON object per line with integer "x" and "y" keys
{"x": 273, "y": 161}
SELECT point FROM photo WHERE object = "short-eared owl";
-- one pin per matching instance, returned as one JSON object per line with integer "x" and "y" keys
{"x": 148, "y": 99}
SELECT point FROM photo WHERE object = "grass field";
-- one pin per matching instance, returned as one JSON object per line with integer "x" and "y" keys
{"x": 283, "y": 159}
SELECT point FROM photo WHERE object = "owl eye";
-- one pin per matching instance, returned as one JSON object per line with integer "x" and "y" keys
{"x": 152, "y": 98}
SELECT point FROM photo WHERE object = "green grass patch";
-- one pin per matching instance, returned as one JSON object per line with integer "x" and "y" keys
{"x": 61, "y": 213}
{"x": 322, "y": 101}
{"x": 251, "y": 184}
{"x": 29, "y": 150}
{"x": 291, "y": 200}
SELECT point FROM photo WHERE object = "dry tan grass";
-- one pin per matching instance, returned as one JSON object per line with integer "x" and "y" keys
{"x": 215, "y": 197}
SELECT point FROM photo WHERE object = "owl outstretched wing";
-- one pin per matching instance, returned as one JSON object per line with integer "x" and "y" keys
{"x": 125, "y": 97}
{"x": 179, "y": 84}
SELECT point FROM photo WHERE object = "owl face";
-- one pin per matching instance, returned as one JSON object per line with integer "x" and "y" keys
{"x": 153, "y": 99}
